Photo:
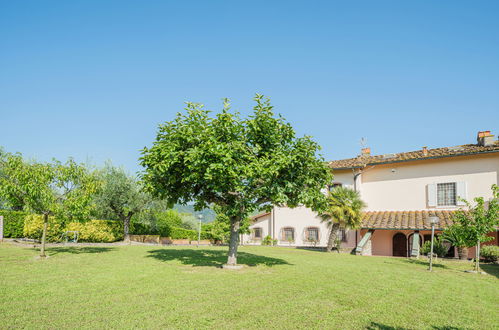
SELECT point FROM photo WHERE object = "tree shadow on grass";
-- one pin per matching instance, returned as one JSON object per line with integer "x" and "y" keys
{"x": 425, "y": 263}
{"x": 212, "y": 258}
{"x": 491, "y": 269}
{"x": 78, "y": 250}
{"x": 380, "y": 326}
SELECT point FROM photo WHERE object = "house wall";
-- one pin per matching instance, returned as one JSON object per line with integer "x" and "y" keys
{"x": 262, "y": 222}
{"x": 402, "y": 186}
{"x": 299, "y": 219}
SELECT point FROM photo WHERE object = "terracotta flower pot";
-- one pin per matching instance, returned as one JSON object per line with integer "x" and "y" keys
{"x": 462, "y": 253}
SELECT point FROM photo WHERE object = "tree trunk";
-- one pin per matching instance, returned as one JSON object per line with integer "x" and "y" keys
{"x": 462, "y": 252}
{"x": 477, "y": 261}
{"x": 126, "y": 226}
{"x": 44, "y": 235}
{"x": 333, "y": 236}
{"x": 235, "y": 223}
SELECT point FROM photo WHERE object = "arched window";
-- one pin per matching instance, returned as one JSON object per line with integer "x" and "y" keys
{"x": 257, "y": 233}
{"x": 288, "y": 234}
{"x": 312, "y": 234}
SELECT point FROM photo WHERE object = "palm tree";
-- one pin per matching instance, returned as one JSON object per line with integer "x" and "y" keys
{"x": 457, "y": 236}
{"x": 343, "y": 210}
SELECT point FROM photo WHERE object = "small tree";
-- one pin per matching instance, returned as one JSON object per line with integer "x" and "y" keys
{"x": 120, "y": 197}
{"x": 241, "y": 165}
{"x": 343, "y": 210}
{"x": 459, "y": 237}
{"x": 480, "y": 219}
{"x": 63, "y": 190}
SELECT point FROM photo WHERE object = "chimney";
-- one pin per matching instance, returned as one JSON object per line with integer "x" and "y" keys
{"x": 485, "y": 139}
{"x": 365, "y": 151}
{"x": 425, "y": 151}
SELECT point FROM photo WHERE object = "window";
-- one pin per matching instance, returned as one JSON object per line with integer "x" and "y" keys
{"x": 257, "y": 233}
{"x": 312, "y": 234}
{"x": 288, "y": 234}
{"x": 343, "y": 235}
{"x": 334, "y": 185}
{"x": 446, "y": 194}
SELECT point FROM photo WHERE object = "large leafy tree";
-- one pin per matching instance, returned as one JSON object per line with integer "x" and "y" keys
{"x": 343, "y": 210}
{"x": 63, "y": 190}
{"x": 120, "y": 196}
{"x": 16, "y": 200}
{"x": 238, "y": 164}
{"x": 480, "y": 218}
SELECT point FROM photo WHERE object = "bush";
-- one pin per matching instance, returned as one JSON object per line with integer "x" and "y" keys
{"x": 98, "y": 231}
{"x": 182, "y": 233}
{"x": 267, "y": 240}
{"x": 438, "y": 247}
{"x": 13, "y": 223}
{"x": 33, "y": 228}
{"x": 490, "y": 253}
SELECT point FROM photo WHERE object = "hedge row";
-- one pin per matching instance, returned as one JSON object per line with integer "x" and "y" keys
{"x": 13, "y": 223}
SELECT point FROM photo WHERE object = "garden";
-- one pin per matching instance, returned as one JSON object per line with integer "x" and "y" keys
{"x": 183, "y": 287}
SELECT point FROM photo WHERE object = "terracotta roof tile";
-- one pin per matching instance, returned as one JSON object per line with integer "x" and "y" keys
{"x": 366, "y": 160}
{"x": 405, "y": 219}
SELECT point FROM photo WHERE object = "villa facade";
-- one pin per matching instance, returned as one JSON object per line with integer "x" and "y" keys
{"x": 401, "y": 192}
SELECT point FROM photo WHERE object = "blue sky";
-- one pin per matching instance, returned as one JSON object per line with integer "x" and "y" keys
{"x": 93, "y": 79}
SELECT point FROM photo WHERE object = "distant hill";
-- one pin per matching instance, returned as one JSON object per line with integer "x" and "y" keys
{"x": 208, "y": 214}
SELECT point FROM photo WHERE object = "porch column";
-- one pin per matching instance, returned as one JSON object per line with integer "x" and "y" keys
{"x": 415, "y": 244}
{"x": 364, "y": 246}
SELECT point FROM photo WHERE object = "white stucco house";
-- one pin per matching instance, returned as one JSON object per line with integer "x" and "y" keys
{"x": 401, "y": 191}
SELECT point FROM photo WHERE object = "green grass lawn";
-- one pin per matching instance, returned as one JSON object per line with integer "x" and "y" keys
{"x": 176, "y": 287}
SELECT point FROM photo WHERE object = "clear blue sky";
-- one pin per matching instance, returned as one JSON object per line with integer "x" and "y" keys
{"x": 93, "y": 79}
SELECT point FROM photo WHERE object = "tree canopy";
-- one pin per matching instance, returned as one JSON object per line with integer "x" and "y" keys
{"x": 61, "y": 189}
{"x": 120, "y": 196}
{"x": 238, "y": 164}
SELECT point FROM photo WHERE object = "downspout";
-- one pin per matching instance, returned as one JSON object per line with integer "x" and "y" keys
{"x": 273, "y": 222}
{"x": 355, "y": 176}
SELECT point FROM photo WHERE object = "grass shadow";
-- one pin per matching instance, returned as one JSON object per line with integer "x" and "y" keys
{"x": 424, "y": 263}
{"x": 78, "y": 249}
{"x": 491, "y": 269}
{"x": 212, "y": 258}
{"x": 380, "y": 326}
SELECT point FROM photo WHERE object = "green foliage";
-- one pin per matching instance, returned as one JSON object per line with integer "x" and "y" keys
{"x": 241, "y": 165}
{"x": 267, "y": 240}
{"x": 13, "y": 223}
{"x": 120, "y": 196}
{"x": 458, "y": 236}
{"x": 33, "y": 227}
{"x": 64, "y": 190}
{"x": 98, "y": 231}
{"x": 490, "y": 253}
{"x": 182, "y": 233}
{"x": 102, "y": 231}
{"x": 344, "y": 207}
{"x": 480, "y": 218}
{"x": 438, "y": 247}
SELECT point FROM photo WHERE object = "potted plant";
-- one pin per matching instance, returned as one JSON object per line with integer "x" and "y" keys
{"x": 458, "y": 237}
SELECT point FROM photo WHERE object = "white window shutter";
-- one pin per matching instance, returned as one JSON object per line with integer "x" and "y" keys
{"x": 431, "y": 193}
{"x": 461, "y": 193}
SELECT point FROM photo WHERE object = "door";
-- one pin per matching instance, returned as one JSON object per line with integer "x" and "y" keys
{"x": 399, "y": 245}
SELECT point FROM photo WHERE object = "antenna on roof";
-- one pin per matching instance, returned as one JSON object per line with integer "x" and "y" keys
{"x": 363, "y": 142}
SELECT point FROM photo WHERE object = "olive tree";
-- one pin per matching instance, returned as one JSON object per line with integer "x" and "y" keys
{"x": 239, "y": 164}
{"x": 61, "y": 189}
{"x": 120, "y": 196}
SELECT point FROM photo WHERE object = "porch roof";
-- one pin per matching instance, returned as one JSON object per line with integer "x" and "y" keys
{"x": 413, "y": 220}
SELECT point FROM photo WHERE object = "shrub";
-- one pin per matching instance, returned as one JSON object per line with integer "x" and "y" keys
{"x": 182, "y": 233}
{"x": 13, "y": 223}
{"x": 490, "y": 253}
{"x": 33, "y": 228}
{"x": 438, "y": 247}
{"x": 267, "y": 240}
{"x": 99, "y": 231}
